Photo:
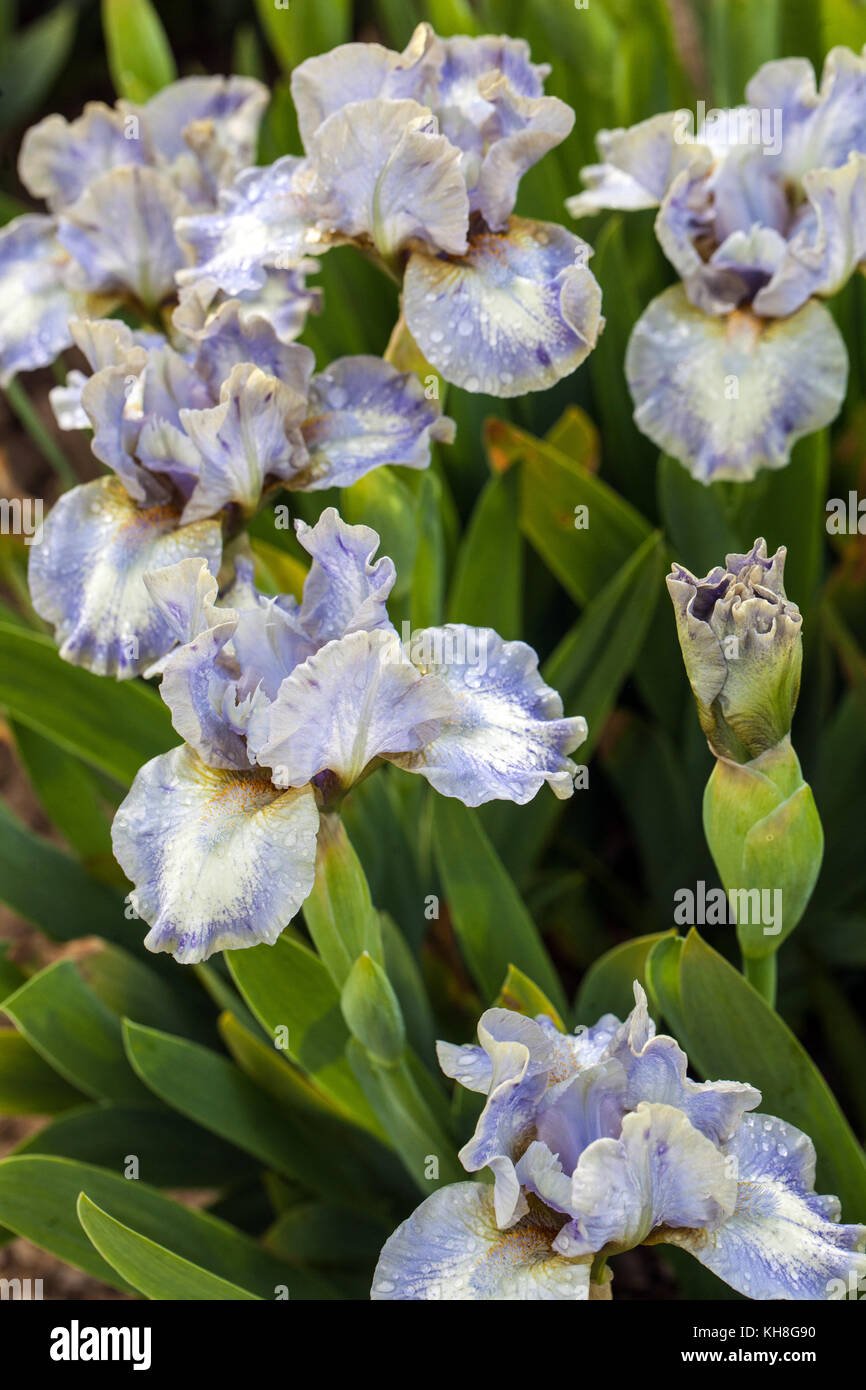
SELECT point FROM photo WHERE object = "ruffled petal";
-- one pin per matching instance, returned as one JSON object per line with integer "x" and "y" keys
{"x": 639, "y": 165}
{"x": 824, "y": 253}
{"x": 507, "y": 736}
{"x": 660, "y": 1172}
{"x": 782, "y": 1241}
{"x": 517, "y": 313}
{"x": 730, "y": 396}
{"x": 218, "y": 859}
{"x": 284, "y": 300}
{"x": 359, "y": 71}
{"x": 526, "y": 128}
{"x": 233, "y": 334}
{"x": 820, "y": 128}
{"x": 363, "y": 413}
{"x": 109, "y": 404}
{"x": 186, "y": 593}
{"x": 143, "y": 260}
{"x": 205, "y": 129}
{"x": 200, "y": 690}
{"x": 381, "y": 170}
{"x": 520, "y": 1056}
{"x": 260, "y": 225}
{"x": 59, "y": 158}
{"x": 345, "y": 589}
{"x": 252, "y": 434}
{"x": 86, "y": 577}
{"x": 450, "y": 1248}
{"x": 35, "y": 302}
{"x": 357, "y": 699}
{"x": 655, "y": 1069}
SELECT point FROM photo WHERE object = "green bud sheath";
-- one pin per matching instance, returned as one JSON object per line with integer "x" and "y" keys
{"x": 372, "y": 1012}
{"x": 765, "y": 836}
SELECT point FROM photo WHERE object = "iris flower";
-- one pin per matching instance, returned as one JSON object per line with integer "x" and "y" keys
{"x": 762, "y": 213}
{"x": 283, "y": 707}
{"x": 195, "y": 434}
{"x": 415, "y": 158}
{"x": 115, "y": 181}
{"x": 598, "y": 1141}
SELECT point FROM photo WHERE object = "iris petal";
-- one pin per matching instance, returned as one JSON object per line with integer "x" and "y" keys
{"x": 35, "y": 302}
{"x": 345, "y": 589}
{"x": 782, "y": 1240}
{"x": 452, "y": 1249}
{"x": 517, "y": 313}
{"x": 660, "y": 1172}
{"x": 363, "y": 413}
{"x": 358, "y": 698}
{"x": 86, "y": 576}
{"x": 506, "y": 737}
{"x": 218, "y": 859}
{"x": 143, "y": 261}
{"x": 730, "y": 396}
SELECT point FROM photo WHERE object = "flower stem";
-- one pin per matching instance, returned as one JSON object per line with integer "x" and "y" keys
{"x": 39, "y": 433}
{"x": 760, "y": 971}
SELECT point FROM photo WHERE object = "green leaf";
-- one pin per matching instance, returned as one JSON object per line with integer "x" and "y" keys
{"x": 153, "y": 1269}
{"x": 213, "y": 1091}
{"x": 28, "y": 1084}
{"x": 403, "y": 1109}
{"x": 31, "y": 61}
{"x": 327, "y": 1235}
{"x": 490, "y": 920}
{"x": 38, "y": 1199}
{"x": 662, "y": 975}
{"x": 71, "y": 799}
{"x": 523, "y": 995}
{"x": 170, "y": 1149}
{"x": 607, "y": 987}
{"x": 113, "y": 725}
{"x": 289, "y": 990}
{"x": 68, "y": 1024}
{"x": 139, "y": 54}
{"x": 297, "y": 30}
{"x": 487, "y": 589}
{"x": 372, "y": 1011}
{"x": 583, "y": 549}
{"x": 731, "y": 1032}
{"x": 134, "y": 990}
{"x": 52, "y": 890}
{"x": 428, "y": 575}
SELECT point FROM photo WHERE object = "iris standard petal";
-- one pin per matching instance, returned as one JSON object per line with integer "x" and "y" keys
{"x": 823, "y": 255}
{"x": 730, "y": 396}
{"x": 357, "y": 699}
{"x": 59, "y": 158}
{"x": 639, "y": 164}
{"x": 345, "y": 589}
{"x": 251, "y": 435}
{"x": 660, "y": 1172}
{"x": 200, "y": 691}
{"x": 231, "y": 334}
{"x": 363, "y": 413}
{"x": 526, "y": 128}
{"x": 143, "y": 260}
{"x": 218, "y": 859}
{"x": 782, "y": 1240}
{"x": 35, "y": 301}
{"x": 820, "y": 127}
{"x": 380, "y": 170}
{"x": 205, "y": 129}
{"x": 86, "y": 576}
{"x": 450, "y": 1248}
{"x": 358, "y": 71}
{"x": 506, "y": 736}
{"x": 517, "y": 313}
{"x": 259, "y": 224}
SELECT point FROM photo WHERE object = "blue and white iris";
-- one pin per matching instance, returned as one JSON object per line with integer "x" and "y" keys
{"x": 283, "y": 707}
{"x": 115, "y": 181}
{"x": 597, "y": 1142}
{"x": 195, "y": 432}
{"x": 762, "y": 213}
{"x": 416, "y": 158}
